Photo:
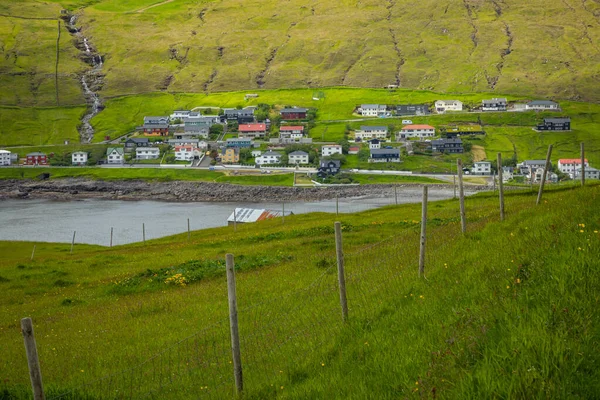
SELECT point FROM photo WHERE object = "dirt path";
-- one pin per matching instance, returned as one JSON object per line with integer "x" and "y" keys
{"x": 154, "y": 5}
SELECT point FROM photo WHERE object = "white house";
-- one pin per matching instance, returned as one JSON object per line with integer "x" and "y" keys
{"x": 79, "y": 158}
{"x": 495, "y": 104}
{"x": 371, "y": 132}
{"x": 269, "y": 157}
{"x": 373, "y": 110}
{"x": 542, "y": 105}
{"x": 441, "y": 106}
{"x": 5, "y": 157}
{"x": 256, "y": 153}
{"x": 569, "y": 165}
{"x": 527, "y": 166}
{"x": 298, "y": 157}
{"x": 374, "y": 144}
{"x": 187, "y": 153}
{"x": 550, "y": 176}
{"x": 590, "y": 173}
{"x": 331, "y": 149}
{"x": 115, "y": 155}
{"x": 482, "y": 168}
{"x": 180, "y": 114}
{"x": 415, "y": 131}
{"x": 147, "y": 153}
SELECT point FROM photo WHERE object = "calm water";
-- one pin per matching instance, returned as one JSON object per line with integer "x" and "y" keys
{"x": 55, "y": 221}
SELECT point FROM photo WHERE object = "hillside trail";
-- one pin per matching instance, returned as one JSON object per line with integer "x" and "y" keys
{"x": 141, "y": 10}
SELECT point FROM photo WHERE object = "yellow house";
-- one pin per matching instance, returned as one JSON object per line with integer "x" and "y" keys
{"x": 230, "y": 155}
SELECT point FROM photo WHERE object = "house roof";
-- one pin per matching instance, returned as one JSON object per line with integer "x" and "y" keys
{"x": 271, "y": 153}
{"x": 324, "y": 163}
{"x": 119, "y": 150}
{"x": 386, "y": 151}
{"x": 534, "y": 162}
{"x": 188, "y": 147}
{"x": 154, "y": 149}
{"x": 495, "y": 100}
{"x": 542, "y": 103}
{"x": 154, "y": 126}
{"x": 235, "y": 150}
{"x": 79, "y": 153}
{"x": 243, "y": 215}
{"x": 352, "y": 148}
{"x": 449, "y": 101}
{"x": 482, "y": 162}
{"x": 374, "y": 141}
{"x": 252, "y": 128}
{"x": 175, "y": 141}
{"x": 291, "y": 128}
{"x": 4, "y": 152}
{"x": 293, "y": 110}
{"x": 239, "y": 140}
{"x": 373, "y": 128}
{"x": 449, "y": 140}
{"x": 332, "y": 145}
{"x": 157, "y": 117}
{"x": 36, "y": 153}
{"x": 298, "y": 153}
{"x": 557, "y": 120}
{"x": 378, "y": 106}
{"x": 137, "y": 140}
{"x": 571, "y": 160}
{"x": 417, "y": 127}
{"x": 194, "y": 128}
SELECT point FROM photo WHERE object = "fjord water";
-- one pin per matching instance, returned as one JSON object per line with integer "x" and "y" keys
{"x": 55, "y": 221}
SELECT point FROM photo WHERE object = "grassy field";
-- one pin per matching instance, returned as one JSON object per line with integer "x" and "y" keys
{"x": 205, "y": 46}
{"x": 520, "y": 322}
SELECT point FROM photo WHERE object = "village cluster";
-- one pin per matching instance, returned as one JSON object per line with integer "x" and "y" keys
{"x": 188, "y": 136}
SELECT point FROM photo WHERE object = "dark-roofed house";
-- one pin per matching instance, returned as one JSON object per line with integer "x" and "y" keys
{"x": 155, "y": 129}
{"x": 555, "y": 124}
{"x": 384, "y": 155}
{"x": 328, "y": 167}
{"x": 160, "y": 120}
{"x": 542, "y": 105}
{"x": 412, "y": 109}
{"x": 451, "y": 146}
{"x": 36, "y": 158}
{"x": 239, "y": 142}
{"x": 193, "y": 131}
{"x": 132, "y": 143}
{"x": 293, "y": 113}
{"x": 243, "y": 116}
{"x": 527, "y": 166}
{"x": 495, "y": 104}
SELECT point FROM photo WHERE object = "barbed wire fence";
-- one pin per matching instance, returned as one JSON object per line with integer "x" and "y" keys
{"x": 278, "y": 332}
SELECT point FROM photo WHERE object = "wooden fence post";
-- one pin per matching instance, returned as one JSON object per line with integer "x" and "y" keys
{"x": 189, "y": 233}
{"x": 73, "y": 241}
{"x": 461, "y": 194}
{"x": 423, "y": 233}
{"x": 500, "y": 186}
{"x": 546, "y": 166}
{"x": 35, "y": 373}
{"x": 582, "y": 166}
{"x": 339, "y": 250}
{"x": 283, "y": 213}
{"x": 111, "y": 235}
{"x": 454, "y": 185}
{"x": 396, "y": 194}
{"x": 33, "y": 252}
{"x": 144, "y": 232}
{"x": 234, "y": 220}
{"x": 233, "y": 324}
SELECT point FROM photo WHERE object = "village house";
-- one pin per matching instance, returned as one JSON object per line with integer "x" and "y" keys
{"x": 374, "y": 144}
{"x": 36, "y": 158}
{"x": 373, "y": 110}
{"x": 353, "y": 150}
{"x": 132, "y": 143}
{"x": 193, "y": 131}
{"x": 239, "y": 142}
{"x": 415, "y": 131}
{"x": 384, "y": 155}
{"x": 508, "y": 173}
{"x": 268, "y": 157}
{"x": 115, "y": 155}
{"x": 292, "y": 130}
{"x": 230, "y": 155}
{"x": 328, "y": 167}
{"x": 147, "y": 153}
{"x": 590, "y": 173}
{"x": 179, "y": 114}
{"x": 482, "y": 168}
{"x": 568, "y": 165}
{"x": 412, "y": 109}
{"x": 542, "y": 105}
{"x": 441, "y": 106}
{"x": 187, "y": 153}
{"x": 370, "y": 132}
{"x": 550, "y": 176}
{"x": 156, "y": 126}
{"x": 5, "y": 158}
{"x": 450, "y": 146}
{"x": 242, "y": 116}
{"x": 79, "y": 158}
{"x": 555, "y": 124}
{"x": 185, "y": 142}
{"x": 331, "y": 149}
{"x": 252, "y": 130}
{"x": 298, "y": 157}
{"x": 526, "y": 167}
{"x": 495, "y": 104}
{"x": 293, "y": 113}
{"x": 160, "y": 120}
{"x": 291, "y": 134}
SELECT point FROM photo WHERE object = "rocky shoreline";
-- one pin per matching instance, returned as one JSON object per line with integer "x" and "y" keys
{"x": 189, "y": 191}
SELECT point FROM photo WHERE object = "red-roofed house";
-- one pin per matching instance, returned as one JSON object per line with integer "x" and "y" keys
{"x": 569, "y": 165}
{"x": 187, "y": 153}
{"x": 353, "y": 150}
{"x": 252, "y": 130}
{"x": 416, "y": 131}
{"x": 291, "y": 133}
{"x": 36, "y": 159}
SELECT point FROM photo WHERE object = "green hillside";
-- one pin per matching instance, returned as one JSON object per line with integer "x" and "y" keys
{"x": 510, "y": 310}
{"x": 540, "y": 48}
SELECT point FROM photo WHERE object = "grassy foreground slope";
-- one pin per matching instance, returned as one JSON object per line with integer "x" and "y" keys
{"x": 509, "y": 310}
{"x": 526, "y": 48}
